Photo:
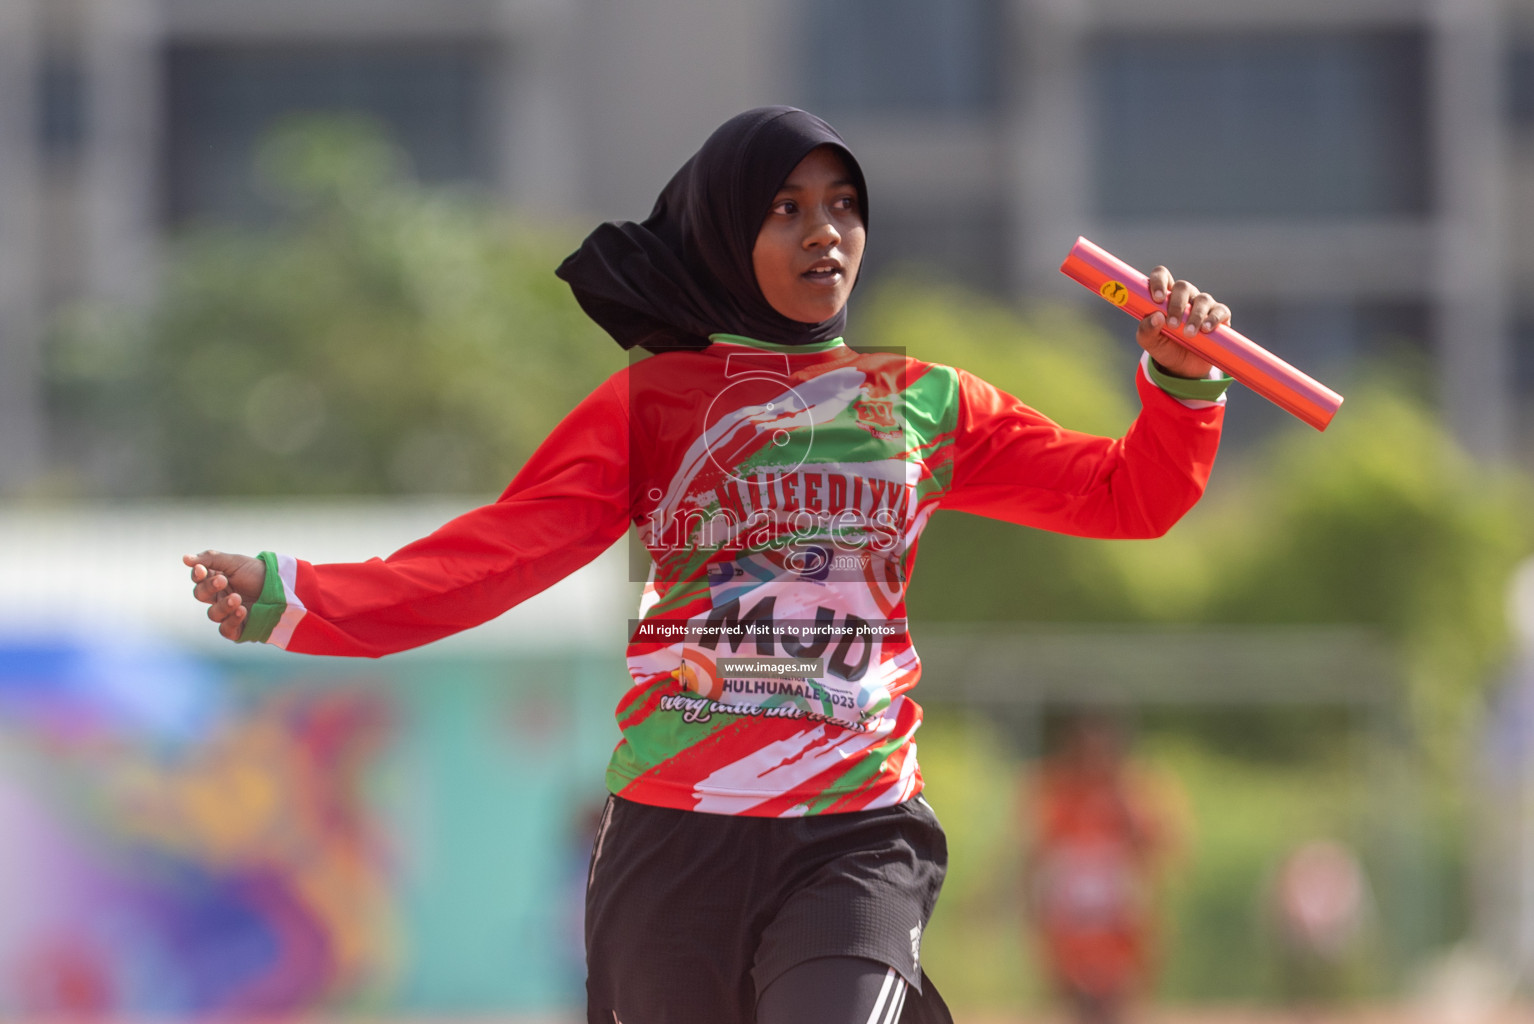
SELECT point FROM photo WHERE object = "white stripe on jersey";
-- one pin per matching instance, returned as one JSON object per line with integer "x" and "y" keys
{"x": 782, "y": 766}
{"x": 287, "y": 572}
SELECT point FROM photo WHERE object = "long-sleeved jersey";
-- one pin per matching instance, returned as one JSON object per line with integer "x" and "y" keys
{"x": 780, "y": 492}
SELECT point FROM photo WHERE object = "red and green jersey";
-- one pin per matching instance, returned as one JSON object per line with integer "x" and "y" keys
{"x": 780, "y": 493}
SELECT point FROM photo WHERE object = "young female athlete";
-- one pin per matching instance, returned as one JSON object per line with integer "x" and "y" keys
{"x": 765, "y": 855}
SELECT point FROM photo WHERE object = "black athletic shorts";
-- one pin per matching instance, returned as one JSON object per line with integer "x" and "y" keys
{"x": 690, "y": 916}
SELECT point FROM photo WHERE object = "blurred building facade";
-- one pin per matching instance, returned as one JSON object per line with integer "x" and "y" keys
{"x": 1351, "y": 176}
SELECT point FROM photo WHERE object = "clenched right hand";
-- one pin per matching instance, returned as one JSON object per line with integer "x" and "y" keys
{"x": 229, "y": 585}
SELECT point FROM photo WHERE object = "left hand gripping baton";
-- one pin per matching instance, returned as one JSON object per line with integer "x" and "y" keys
{"x": 1236, "y": 354}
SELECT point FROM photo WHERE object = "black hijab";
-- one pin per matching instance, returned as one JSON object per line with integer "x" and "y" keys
{"x": 686, "y": 272}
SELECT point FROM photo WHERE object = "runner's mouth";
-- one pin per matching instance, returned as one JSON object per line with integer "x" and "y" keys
{"x": 824, "y": 272}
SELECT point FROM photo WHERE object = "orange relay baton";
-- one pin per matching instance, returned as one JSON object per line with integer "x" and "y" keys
{"x": 1236, "y": 354}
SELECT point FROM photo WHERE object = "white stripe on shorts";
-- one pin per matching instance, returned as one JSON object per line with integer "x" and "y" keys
{"x": 596, "y": 855}
{"x": 899, "y": 1004}
{"x": 891, "y": 995}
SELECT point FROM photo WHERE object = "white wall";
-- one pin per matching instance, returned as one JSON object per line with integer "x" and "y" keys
{"x": 104, "y": 571}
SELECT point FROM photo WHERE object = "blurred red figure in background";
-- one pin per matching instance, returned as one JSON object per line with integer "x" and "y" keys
{"x": 1103, "y": 831}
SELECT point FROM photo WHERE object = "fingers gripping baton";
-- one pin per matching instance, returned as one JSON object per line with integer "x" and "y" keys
{"x": 1237, "y": 355}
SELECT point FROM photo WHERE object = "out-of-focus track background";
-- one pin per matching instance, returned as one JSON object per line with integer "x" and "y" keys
{"x": 277, "y": 274}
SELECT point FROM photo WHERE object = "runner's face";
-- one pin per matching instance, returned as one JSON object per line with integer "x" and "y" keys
{"x": 810, "y": 245}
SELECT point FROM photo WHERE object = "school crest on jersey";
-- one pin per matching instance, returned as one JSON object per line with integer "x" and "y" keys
{"x": 877, "y": 416}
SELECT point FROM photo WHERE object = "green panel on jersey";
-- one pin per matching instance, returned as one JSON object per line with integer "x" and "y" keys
{"x": 862, "y": 772}
{"x": 932, "y": 416}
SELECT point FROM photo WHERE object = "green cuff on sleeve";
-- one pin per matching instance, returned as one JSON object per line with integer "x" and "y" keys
{"x": 1205, "y": 390}
{"x": 267, "y": 611}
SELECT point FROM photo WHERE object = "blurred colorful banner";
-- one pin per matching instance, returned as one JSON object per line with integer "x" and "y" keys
{"x": 189, "y": 836}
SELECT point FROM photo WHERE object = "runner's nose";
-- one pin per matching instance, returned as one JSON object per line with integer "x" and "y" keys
{"x": 822, "y": 234}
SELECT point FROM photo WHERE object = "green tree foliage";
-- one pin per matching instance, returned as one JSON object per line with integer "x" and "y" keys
{"x": 1381, "y": 521}
{"x": 380, "y": 339}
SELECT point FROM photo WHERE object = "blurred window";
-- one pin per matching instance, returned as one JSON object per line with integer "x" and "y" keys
{"x": 1520, "y": 84}
{"x": 60, "y": 105}
{"x": 222, "y": 100}
{"x": 1523, "y": 352}
{"x": 967, "y": 244}
{"x": 1261, "y": 125}
{"x": 904, "y": 56}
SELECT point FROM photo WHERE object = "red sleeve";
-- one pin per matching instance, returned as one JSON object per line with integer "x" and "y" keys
{"x": 567, "y": 505}
{"x": 1013, "y": 463}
